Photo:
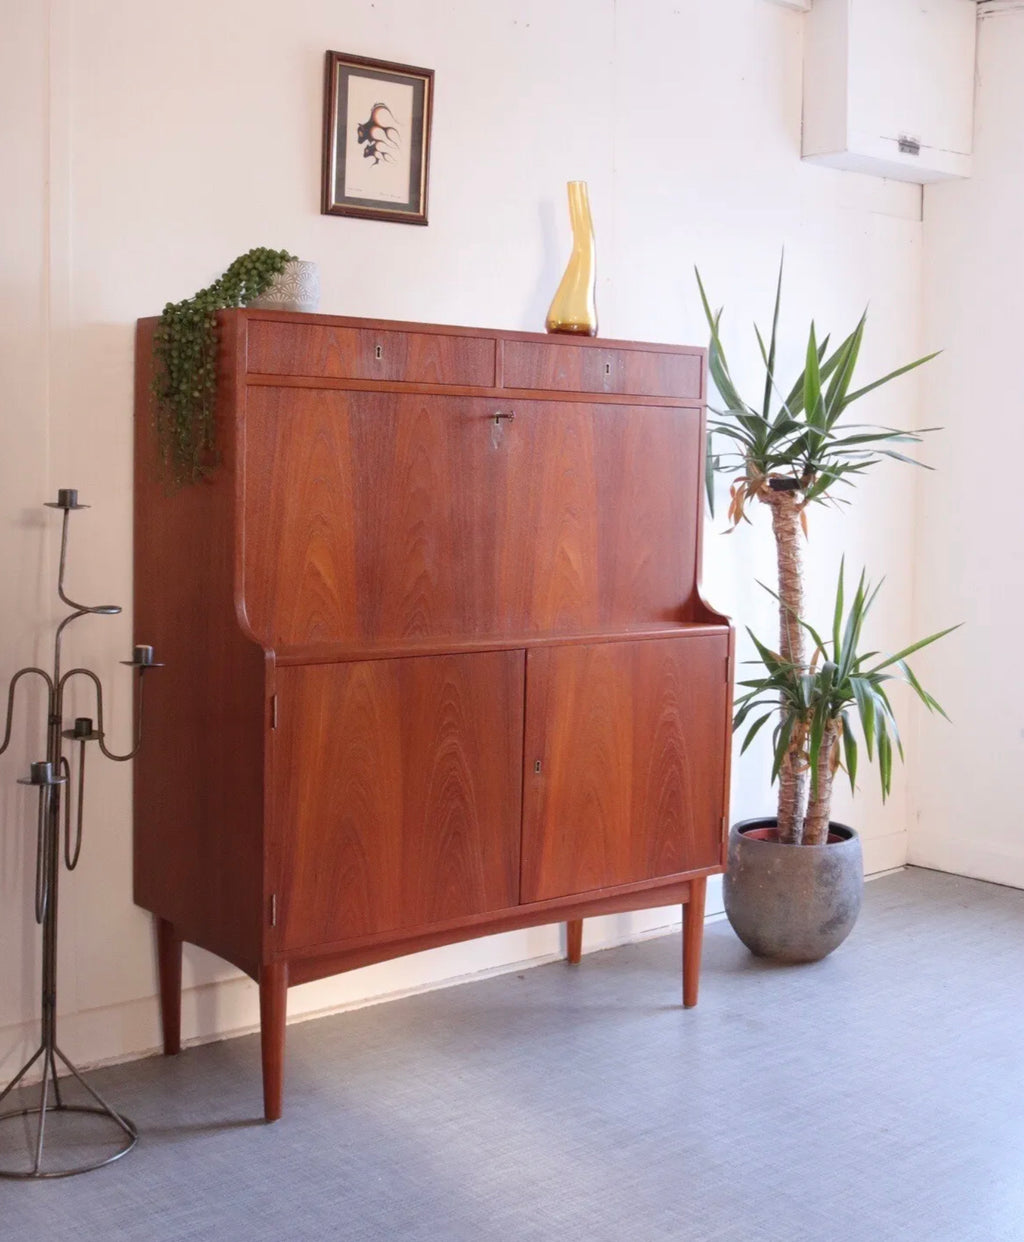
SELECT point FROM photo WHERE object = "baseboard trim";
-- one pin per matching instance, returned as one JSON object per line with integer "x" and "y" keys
{"x": 959, "y": 856}
{"x": 231, "y": 1006}
{"x": 228, "y": 1008}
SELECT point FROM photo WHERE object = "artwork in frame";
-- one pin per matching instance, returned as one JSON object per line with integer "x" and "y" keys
{"x": 376, "y": 139}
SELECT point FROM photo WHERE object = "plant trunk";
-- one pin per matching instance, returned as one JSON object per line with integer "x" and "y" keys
{"x": 789, "y": 553}
{"x": 820, "y": 805}
{"x": 792, "y": 791}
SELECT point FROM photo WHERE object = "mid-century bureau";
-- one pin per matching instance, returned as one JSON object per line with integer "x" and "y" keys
{"x": 437, "y": 661}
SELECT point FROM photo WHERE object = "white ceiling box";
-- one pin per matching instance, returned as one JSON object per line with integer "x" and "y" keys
{"x": 889, "y": 87}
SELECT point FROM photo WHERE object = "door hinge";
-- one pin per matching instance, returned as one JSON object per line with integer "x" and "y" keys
{"x": 273, "y": 909}
{"x": 273, "y": 711}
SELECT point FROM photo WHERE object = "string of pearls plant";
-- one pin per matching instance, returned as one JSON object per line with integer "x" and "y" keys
{"x": 185, "y": 377}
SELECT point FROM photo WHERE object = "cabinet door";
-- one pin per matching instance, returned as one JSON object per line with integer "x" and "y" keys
{"x": 396, "y": 793}
{"x": 624, "y": 763}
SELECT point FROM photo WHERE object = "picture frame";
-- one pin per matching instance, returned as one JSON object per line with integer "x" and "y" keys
{"x": 376, "y": 142}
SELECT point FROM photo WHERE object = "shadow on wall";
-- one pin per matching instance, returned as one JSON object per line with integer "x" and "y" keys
{"x": 28, "y": 531}
{"x": 550, "y": 270}
{"x": 80, "y": 416}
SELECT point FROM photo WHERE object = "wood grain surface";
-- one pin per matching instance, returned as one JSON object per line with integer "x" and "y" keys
{"x": 397, "y": 793}
{"x": 569, "y": 368}
{"x": 363, "y": 951}
{"x": 623, "y": 764}
{"x": 399, "y": 518}
{"x": 199, "y": 804}
{"x": 370, "y": 354}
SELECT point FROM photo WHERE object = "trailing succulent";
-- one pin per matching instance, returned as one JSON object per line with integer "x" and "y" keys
{"x": 185, "y": 375}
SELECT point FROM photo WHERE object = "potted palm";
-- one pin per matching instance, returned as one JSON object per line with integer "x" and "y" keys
{"x": 787, "y": 453}
{"x": 798, "y": 903}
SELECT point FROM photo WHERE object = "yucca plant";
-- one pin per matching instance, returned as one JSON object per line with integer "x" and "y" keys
{"x": 817, "y": 704}
{"x": 791, "y": 450}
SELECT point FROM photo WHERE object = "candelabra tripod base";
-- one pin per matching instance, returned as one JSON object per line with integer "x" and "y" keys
{"x": 94, "y": 1128}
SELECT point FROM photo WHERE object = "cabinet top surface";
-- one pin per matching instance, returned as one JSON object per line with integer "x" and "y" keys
{"x": 246, "y": 315}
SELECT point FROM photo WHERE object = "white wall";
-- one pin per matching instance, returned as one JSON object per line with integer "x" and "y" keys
{"x": 24, "y": 444}
{"x": 155, "y": 142}
{"x": 969, "y": 779}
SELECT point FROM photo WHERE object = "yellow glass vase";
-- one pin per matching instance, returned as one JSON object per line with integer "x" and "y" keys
{"x": 574, "y": 306}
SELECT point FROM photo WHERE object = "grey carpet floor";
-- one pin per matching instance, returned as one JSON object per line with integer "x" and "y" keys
{"x": 873, "y": 1096}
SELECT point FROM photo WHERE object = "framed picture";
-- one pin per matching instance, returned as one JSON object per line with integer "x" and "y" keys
{"x": 376, "y": 139}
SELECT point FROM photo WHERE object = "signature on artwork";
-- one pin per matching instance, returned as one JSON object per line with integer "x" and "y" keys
{"x": 380, "y": 134}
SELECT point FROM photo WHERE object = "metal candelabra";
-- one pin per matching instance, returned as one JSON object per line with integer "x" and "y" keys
{"x": 52, "y": 779}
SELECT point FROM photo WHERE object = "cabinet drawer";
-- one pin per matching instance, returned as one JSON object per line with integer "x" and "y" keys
{"x": 276, "y": 348}
{"x": 583, "y": 368}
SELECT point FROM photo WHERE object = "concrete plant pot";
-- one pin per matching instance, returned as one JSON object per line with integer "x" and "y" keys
{"x": 792, "y": 903}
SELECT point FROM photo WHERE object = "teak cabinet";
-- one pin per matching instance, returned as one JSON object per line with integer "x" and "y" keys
{"x": 437, "y": 661}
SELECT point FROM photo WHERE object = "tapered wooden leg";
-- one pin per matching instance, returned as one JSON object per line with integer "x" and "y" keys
{"x": 273, "y": 1006}
{"x": 574, "y": 941}
{"x": 168, "y": 952}
{"x": 693, "y": 940}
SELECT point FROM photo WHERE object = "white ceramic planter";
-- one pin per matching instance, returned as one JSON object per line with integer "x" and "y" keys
{"x": 297, "y": 288}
